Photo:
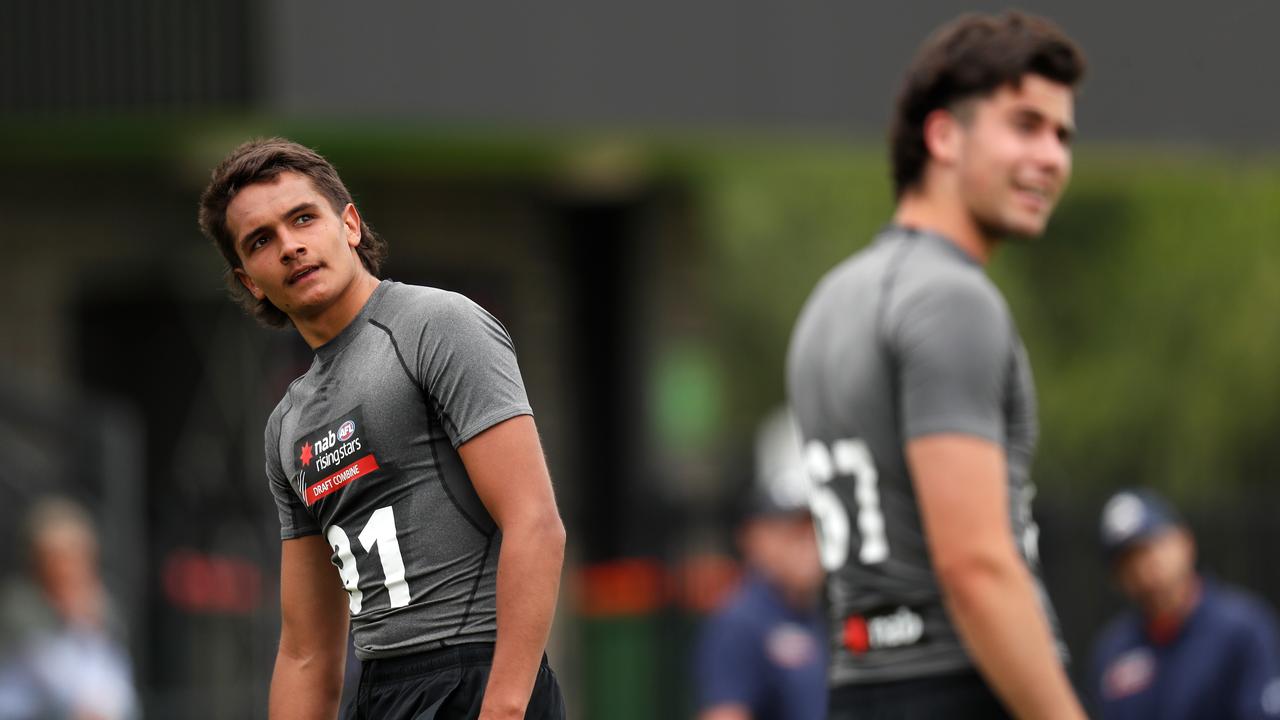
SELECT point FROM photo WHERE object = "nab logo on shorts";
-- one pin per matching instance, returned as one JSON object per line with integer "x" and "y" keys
{"x": 336, "y": 454}
{"x": 897, "y": 629}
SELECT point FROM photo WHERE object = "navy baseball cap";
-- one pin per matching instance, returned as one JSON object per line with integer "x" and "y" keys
{"x": 1131, "y": 516}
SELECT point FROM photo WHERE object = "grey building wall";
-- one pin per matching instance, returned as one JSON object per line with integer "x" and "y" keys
{"x": 1170, "y": 72}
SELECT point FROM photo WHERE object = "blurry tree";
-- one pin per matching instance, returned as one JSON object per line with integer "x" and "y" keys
{"x": 1148, "y": 308}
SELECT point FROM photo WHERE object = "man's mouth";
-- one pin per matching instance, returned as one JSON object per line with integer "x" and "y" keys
{"x": 1042, "y": 192}
{"x": 1035, "y": 196}
{"x": 302, "y": 272}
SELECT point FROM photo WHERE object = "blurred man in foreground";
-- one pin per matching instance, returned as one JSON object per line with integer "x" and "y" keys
{"x": 1192, "y": 649}
{"x": 64, "y": 655}
{"x": 762, "y": 655}
{"x": 914, "y": 394}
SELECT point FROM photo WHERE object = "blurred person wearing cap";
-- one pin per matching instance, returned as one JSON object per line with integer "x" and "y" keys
{"x": 762, "y": 655}
{"x": 64, "y": 655}
{"x": 1191, "y": 647}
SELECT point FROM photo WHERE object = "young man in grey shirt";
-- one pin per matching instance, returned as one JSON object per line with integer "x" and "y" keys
{"x": 405, "y": 465}
{"x": 914, "y": 395}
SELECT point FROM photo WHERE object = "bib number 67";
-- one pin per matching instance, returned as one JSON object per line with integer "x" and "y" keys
{"x": 846, "y": 458}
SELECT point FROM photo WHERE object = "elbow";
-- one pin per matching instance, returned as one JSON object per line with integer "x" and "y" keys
{"x": 967, "y": 579}
{"x": 543, "y": 530}
{"x": 324, "y": 664}
{"x": 554, "y": 535}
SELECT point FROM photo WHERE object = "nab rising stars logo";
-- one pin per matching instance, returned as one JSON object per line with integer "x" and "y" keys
{"x": 338, "y": 458}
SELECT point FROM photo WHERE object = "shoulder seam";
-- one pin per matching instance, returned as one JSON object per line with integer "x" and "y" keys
{"x": 432, "y": 401}
{"x": 882, "y": 312}
{"x": 433, "y": 406}
{"x": 435, "y": 459}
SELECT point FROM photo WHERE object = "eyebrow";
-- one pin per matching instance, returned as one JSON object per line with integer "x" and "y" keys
{"x": 308, "y": 205}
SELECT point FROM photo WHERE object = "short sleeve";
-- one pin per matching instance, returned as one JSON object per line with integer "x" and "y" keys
{"x": 727, "y": 663}
{"x": 467, "y": 364}
{"x": 295, "y": 520}
{"x": 953, "y": 346}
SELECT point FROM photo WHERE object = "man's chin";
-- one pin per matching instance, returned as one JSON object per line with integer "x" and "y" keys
{"x": 1025, "y": 230}
{"x": 1017, "y": 230}
{"x": 302, "y": 305}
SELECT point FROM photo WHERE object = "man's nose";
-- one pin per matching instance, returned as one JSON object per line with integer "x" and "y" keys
{"x": 1053, "y": 154}
{"x": 291, "y": 246}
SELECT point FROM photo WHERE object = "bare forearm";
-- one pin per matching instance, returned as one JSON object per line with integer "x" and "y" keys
{"x": 529, "y": 568}
{"x": 996, "y": 609}
{"x": 305, "y": 688}
{"x": 307, "y": 682}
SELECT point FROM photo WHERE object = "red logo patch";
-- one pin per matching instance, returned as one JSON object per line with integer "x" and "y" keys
{"x": 855, "y": 634}
{"x": 337, "y": 451}
{"x": 341, "y": 479}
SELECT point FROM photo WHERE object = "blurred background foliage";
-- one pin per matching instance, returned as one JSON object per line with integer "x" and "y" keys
{"x": 1148, "y": 307}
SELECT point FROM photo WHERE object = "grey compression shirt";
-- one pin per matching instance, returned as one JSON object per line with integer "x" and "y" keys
{"x": 363, "y": 450}
{"x": 906, "y": 338}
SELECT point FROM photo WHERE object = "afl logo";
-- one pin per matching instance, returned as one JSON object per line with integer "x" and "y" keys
{"x": 346, "y": 430}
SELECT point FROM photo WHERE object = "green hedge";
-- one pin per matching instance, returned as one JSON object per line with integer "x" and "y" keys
{"x": 1149, "y": 308}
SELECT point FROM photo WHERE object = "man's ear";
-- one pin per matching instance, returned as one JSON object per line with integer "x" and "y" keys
{"x": 249, "y": 284}
{"x": 351, "y": 221}
{"x": 943, "y": 135}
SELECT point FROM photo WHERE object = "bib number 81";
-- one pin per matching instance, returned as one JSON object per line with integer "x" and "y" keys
{"x": 846, "y": 458}
{"x": 380, "y": 531}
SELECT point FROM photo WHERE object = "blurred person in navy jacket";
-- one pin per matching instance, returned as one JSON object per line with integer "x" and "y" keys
{"x": 762, "y": 655}
{"x": 1190, "y": 648}
{"x": 62, "y": 655}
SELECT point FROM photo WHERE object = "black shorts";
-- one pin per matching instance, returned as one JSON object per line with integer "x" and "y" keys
{"x": 955, "y": 697}
{"x": 443, "y": 684}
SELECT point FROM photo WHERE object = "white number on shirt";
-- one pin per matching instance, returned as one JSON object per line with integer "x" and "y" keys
{"x": 849, "y": 458}
{"x": 346, "y": 566}
{"x": 379, "y": 531}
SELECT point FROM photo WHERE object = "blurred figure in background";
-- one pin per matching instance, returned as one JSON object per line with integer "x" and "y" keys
{"x": 63, "y": 654}
{"x": 1191, "y": 648}
{"x": 762, "y": 656}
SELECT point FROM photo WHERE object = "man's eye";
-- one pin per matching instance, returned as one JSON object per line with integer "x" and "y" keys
{"x": 257, "y": 242}
{"x": 303, "y": 219}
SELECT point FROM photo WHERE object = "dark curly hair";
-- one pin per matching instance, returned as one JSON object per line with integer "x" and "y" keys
{"x": 259, "y": 161}
{"x": 972, "y": 56}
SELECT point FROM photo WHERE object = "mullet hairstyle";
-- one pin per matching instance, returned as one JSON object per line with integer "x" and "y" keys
{"x": 262, "y": 160}
{"x": 972, "y": 56}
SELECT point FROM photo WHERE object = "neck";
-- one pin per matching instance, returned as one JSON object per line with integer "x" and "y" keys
{"x": 945, "y": 216}
{"x": 325, "y": 325}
